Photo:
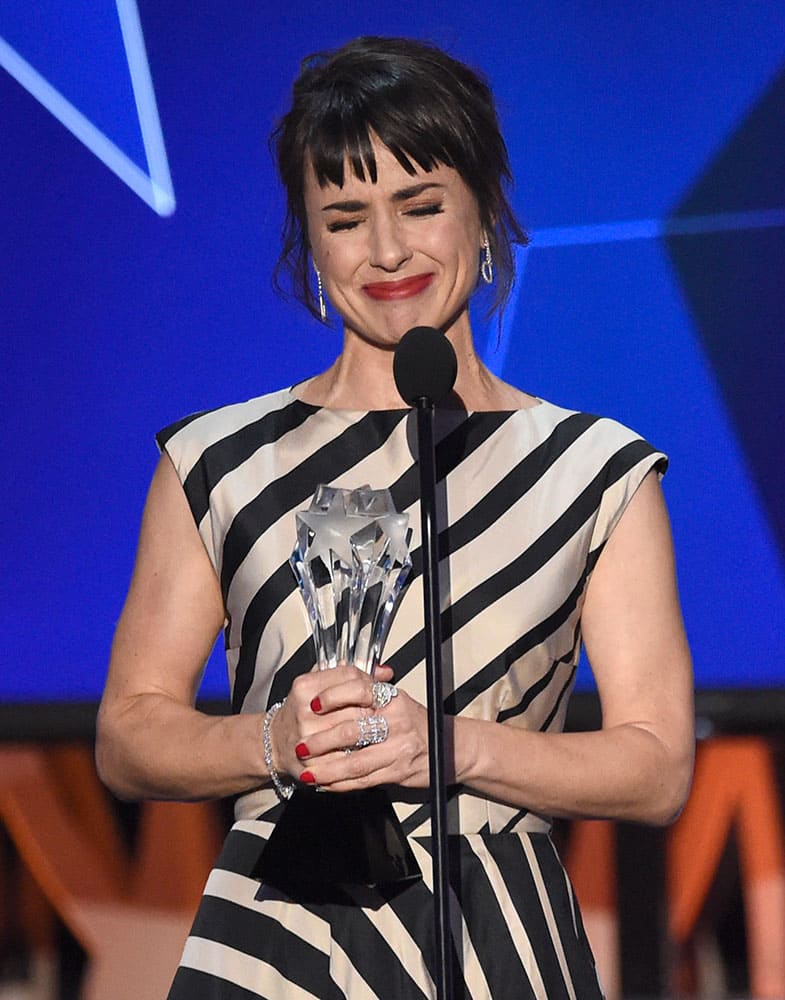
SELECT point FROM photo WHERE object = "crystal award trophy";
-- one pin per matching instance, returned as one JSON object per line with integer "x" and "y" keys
{"x": 351, "y": 559}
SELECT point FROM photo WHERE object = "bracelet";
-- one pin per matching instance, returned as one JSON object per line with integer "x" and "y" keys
{"x": 283, "y": 791}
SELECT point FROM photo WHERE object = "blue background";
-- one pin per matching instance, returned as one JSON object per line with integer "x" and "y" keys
{"x": 625, "y": 124}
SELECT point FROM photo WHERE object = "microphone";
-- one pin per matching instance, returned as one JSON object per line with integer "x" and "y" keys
{"x": 424, "y": 366}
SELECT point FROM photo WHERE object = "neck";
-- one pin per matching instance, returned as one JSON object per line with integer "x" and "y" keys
{"x": 361, "y": 378}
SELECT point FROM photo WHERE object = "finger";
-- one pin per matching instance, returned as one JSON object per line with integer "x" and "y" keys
{"x": 354, "y": 688}
{"x": 386, "y": 763}
{"x": 343, "y": 771}
{"x": 343, "y": 734}
{"x": 303, "y": 689}
{"x": 326, "y": 734}
{"x": 307, "y": 688}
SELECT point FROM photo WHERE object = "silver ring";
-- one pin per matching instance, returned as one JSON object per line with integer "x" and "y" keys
{"x": 373, "y": 729}
{"x": 383, "y": 693}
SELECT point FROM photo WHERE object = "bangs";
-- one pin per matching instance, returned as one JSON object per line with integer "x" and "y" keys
{"x": 344, "y": 135}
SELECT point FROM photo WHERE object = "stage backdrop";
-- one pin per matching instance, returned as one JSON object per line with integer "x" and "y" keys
{"x": 139, "y": 221}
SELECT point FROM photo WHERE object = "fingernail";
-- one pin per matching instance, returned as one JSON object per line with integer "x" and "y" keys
{"x": 316, "y": 705}
{"x": 307, "y": 778}
{"x": 301, "y": 750}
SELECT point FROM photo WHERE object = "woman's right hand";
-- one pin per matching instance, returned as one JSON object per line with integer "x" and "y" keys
{"x": 297, "y": 720}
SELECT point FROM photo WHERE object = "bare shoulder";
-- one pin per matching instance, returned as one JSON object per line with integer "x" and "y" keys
{"x": 174, "y": 608}
{"x": 632, "y": 623}
{"x": 167, "y": 520}
{"x": 635, "y": 574}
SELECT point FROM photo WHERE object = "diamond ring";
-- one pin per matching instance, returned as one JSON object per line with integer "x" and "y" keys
{"x": 383, "y": 693}
{"x": 372, "y": 729}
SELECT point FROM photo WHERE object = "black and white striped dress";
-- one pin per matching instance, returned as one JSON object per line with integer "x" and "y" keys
{"x": 528, "y": 498}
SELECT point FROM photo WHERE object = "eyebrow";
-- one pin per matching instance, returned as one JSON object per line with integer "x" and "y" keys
{"x": 403, "y": 194}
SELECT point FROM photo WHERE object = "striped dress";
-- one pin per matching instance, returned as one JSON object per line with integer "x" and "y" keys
{"x": 527, "y": 500}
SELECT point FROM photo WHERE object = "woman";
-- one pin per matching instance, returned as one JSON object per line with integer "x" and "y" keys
{"x": 394, "y": 169}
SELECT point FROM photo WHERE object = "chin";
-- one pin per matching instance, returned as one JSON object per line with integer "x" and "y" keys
{"x": 386, "y": 336}
{"x": 388, "y": 332}
{"x": 388, "y": 339}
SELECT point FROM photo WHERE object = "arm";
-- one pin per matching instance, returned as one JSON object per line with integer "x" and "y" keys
{"x": 638, "y": 766}
{"x": 151, "y": 742}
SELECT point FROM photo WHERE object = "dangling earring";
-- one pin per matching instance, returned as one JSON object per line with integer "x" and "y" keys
{"x": 486, "y": 267}
{"x": 320, "y": 292}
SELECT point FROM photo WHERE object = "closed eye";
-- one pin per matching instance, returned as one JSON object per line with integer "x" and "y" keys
{"x": 342, "y": 226}
{"x": 416, "y": 211}
{"x": 421, "y": 211}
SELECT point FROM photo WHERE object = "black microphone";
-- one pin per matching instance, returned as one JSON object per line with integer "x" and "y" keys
{"x": 424, "y": 365}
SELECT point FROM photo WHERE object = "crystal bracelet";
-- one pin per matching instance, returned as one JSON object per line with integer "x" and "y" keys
{"x": 283, "y": 791}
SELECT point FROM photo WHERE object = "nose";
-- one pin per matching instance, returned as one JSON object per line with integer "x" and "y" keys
{"x": 389, "y": 249}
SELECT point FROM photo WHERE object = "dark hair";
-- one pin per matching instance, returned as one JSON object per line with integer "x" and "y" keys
{"x": 424, "y": 106}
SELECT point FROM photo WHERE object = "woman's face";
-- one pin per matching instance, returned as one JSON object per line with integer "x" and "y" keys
{"x": 399, "y": 253}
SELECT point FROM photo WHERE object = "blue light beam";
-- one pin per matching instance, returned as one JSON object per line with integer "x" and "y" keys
{"x": 155, "y": 188}
{"x": 615, "y": 232}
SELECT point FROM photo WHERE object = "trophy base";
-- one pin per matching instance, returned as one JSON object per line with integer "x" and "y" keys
{"x": 325, "y": 840}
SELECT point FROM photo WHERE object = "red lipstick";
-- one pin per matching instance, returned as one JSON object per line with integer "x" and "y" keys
{"x": 405, "y": 288}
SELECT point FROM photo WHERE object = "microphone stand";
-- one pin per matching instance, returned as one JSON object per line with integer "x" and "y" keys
{"x": 433, "y": 670}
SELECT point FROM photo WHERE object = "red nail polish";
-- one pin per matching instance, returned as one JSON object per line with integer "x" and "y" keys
{"x": 316, "y": 705}
{"x": 307, "y": 778}
{"x": 301, "y": 750}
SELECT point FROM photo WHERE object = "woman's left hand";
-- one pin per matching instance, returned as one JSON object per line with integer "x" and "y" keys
{"x": 401, "y": 759}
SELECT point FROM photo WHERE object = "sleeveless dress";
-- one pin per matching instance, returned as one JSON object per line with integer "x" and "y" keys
{"x": 527, "y": 501}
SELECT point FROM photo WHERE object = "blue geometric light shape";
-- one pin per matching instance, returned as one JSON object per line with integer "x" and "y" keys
{"x": 672, "y": 323}
{"x": 617, "y": 232}
{"x": 733, "y": 286}
{"x": 87, "y": 64}
{"x": 604, "y": 328}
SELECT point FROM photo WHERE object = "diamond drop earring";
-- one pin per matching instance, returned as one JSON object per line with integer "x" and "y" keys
{"x": 486, "y": 266}
{"x": 320, "y": 293}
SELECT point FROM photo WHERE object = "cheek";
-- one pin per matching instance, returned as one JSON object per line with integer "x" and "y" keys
{"x": 319, "y": 252}
{"x": 467, "y": 256}
{"x": 335, "y": 264}
{"x": 462, "y": 240}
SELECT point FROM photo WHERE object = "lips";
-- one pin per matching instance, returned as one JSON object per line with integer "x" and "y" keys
{"x": 388, "y": 291}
